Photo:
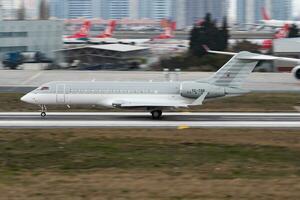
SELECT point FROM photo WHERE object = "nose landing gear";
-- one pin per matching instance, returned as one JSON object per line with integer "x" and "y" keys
{"x": 43, "y": 114}
{"x": 43, "y": 110}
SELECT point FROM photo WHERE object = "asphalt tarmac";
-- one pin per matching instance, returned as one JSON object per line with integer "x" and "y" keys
{"x": 143, "y": 120}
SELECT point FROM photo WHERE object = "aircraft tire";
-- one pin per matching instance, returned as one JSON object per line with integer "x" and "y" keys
{"x": 156, "y": 114}
{"x": 43, "y": 114}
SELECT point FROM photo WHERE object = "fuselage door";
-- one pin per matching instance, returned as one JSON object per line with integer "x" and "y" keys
{"x": 60, "y": 93}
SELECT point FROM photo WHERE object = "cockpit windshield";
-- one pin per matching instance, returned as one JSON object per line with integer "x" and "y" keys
{"x": 44, "y": 88}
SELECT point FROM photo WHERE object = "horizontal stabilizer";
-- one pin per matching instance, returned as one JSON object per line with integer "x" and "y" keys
{"x": 252, "y": 56}
{"x": 218, "y": 52}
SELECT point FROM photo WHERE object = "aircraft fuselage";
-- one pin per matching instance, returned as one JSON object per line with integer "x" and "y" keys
{"x": 113, "y": 94}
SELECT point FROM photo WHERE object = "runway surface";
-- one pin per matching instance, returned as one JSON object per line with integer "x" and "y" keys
{"x": 143, "y": 120}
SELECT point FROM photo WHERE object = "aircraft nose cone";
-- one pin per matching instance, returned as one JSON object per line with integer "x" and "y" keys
{"x": 28, "y": 98}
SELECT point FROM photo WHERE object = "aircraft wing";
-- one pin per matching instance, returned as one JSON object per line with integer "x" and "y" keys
{"x": 254, "y": 56}
{"x": 218, "y": 52}
{"x": 140, "y": 104}
{"x": 157, "y": 103}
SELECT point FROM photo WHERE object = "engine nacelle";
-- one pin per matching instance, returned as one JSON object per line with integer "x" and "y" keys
{"x": 296, "y": 72}
{"x": 194, "y": 90}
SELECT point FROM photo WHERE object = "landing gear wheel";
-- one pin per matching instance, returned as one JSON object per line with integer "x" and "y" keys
{"x": 43, "y": 110}
{"x": 43, "y": 114}
{"x": 156, "y": 114}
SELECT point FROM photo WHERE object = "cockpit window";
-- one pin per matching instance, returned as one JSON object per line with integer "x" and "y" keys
{"x": 44, "y": 88}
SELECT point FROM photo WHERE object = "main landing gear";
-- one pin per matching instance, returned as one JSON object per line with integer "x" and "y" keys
{"x": 43, "y": 110}
{"x": 156, "y": 114}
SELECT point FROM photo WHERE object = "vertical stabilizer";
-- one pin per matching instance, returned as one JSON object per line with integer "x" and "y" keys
{"x": 84, "y": 30}
{"x": 265, "y": 15}
{"x": 108, "y": 32}
{"x": 235, "y": 71}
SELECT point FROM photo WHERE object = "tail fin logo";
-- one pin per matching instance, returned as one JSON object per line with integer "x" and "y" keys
{"x": 265, "y": 14}
{"x": 108, "y": 33}
{"x": 283, "y": 32}
{"x": 169, "y": 27}
{"x": 111, "y": 27}
{"x": 84, "y": 30}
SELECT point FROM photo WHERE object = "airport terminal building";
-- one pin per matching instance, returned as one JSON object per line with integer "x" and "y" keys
{"x": 44, "y": 36}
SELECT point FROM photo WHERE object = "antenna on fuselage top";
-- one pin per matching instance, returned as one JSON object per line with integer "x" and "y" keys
{"x": 167, "y": 74}
{"x": 172, "y": 76}
{"x": 177, "y": 74}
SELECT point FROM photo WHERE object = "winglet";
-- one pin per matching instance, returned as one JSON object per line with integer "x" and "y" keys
{"x": 218, "y": 52}
{"x": 205, "y": 47}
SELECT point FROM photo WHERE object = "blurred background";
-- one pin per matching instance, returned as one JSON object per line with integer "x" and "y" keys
{"x": 144, "y": 35}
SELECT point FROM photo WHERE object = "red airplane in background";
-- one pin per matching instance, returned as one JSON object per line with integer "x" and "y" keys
{"x": 169, "y": 27}
{"x": 282, "y": 33}
{"x": 81, "y": 36}
{"x": 107, "y": 36}
{"x": 268, "y": 21}
{"x": 108, "y": 33}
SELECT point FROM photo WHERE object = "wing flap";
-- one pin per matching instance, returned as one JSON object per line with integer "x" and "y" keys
{"x": 136, "y": 104}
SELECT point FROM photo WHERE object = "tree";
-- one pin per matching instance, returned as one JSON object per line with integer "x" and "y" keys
{"x": 44, "y": 10}
{"x": 246, "y": 46}
{"x": 224, "y": 35}
{"x": 197, "y": 40}
{"x": 293, "y": 31}
{"x": 207, "y": 33}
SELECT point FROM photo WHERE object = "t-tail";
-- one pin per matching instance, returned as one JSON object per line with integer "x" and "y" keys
{"x": 169, "y": 27}
{"x": 265, "y": 14}
{"x": 84, "y": 31}
{"x": 234, "y": 73}
{"x": 108, "y": 33}
{"x": 111, "y": 28}
{"x": 282, "y": 33}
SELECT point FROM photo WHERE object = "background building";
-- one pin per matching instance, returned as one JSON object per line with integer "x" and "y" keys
{"x": 70, "y": 9}
{"x": 249, "y": 11}
{"x": 184, "y": 12}
{"x": 144, "y": 10}
{"x": 33, "y": 35}
{"x": 196, "y": 10}
{"x": 115, "y": 9}
{"x": 161, "y": 9}
{"x": 57, "y": 9}
{"x": 280, "y": 9}
{"x": 155, "y": 9}
{"x": 79, "y": 8}
{"x": 179, "y": 13}
{"x": 9, "y": 9}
